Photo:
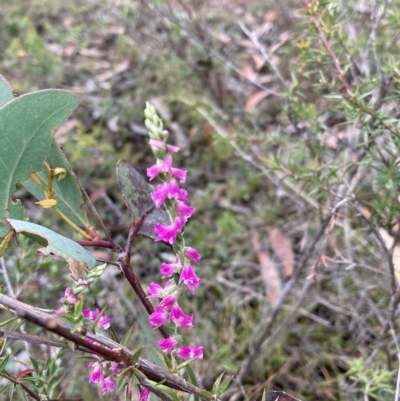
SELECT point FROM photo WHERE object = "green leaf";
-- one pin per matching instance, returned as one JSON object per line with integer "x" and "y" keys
{"x": 79, "y": 260}
{"x": 27, "y": 126}
{"x": 122, "y": 380}
{"x": 224, "y": 385}
{"x": 6, "y": 91}
{"x": 4, "y": 362}
{"x": 4, "y": 389}
{"x": 136, "y": 355}
{"x": 163, "y": 358}
{"x": 126, "y": 337}
{"x": 192, "y": 378}
{"x": 21, "y": 393}
{"x": 217, "y": 383}
{"x": 35, "y": 366}
{"x": 66, "y": 191}
{"x": 136, "y": 193}
{"x": 11, "y": 392}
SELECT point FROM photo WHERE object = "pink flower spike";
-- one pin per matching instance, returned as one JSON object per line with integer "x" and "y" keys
{"x": 168, "y": 269}
{"x": 188, "y": 276}
{"x": 179, "y": 174}
{"x": 144, "y": 394}
{"x": 89, "y": 314}
{"x": 108, "y": 385}
{"x": 158, "y": 317}
{"x": 179, "y": 318}
{"x": 155, "y": 290}
{"x": 166, "y": 233}
{"x": 104, "y": 322}
{"x": 190, "y": 352}
{"x": 97, "y": 374}
{"x": 172, "y": 148}
{"x": 168, "y": 302}
{"x": 192, "y": 254}
{"x": 167, "y": 345}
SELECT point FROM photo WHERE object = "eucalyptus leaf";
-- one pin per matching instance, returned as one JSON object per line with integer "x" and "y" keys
{"x": 27, "y": 127}
{"x": 79, "y": 260}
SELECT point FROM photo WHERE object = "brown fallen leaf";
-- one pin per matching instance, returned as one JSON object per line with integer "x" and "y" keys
{"x": 283, "y": 250}
{"x": 254, "y": 100}
{"x": 269, "y": 271}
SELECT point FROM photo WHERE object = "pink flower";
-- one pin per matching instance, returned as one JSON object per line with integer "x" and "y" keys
{"x": 157, "y": 145}
{"x": 168, "y": 302}
{"x": 158, "y": 317}
{"x": 108, "y": 385}
{"x": 162, "y": 166}
{"x": 179, "y": 174}
{"x": 179, "y": 318}
{"x": 155, "y": 290}
{"x": 190, "y": 352}
{"x": 97, "y": 374}
{"x": 67, "y": 298}
{"x": 188, "y": 276}
{"x": 104, "y": 322}
{"x": 166, "y": 233}
{"x": 114, "y": 368}
{"x": 90, "y": 314}
{"x": 168, "y": 190}
{"x": 172, "y": 148}
{"x": 168, "y": 269}
{"x": 60, "y": 312}
{"x": 144, "y": 394}
{"x": 184, "y": 210}
{"x": 192, "y": 254}
{"x": 167, "y": 345}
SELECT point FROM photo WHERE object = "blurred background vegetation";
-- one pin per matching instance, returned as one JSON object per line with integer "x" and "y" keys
{"x": 286, "y": 114}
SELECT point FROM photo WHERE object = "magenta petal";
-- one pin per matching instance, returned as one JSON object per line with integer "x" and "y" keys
{"x": 190, "y": 352}
{"x": 97, "y": 374}
{"x": 188, "y": 276}
{"x": 167, "y": 270}
{"x": 108, "y": 385}
{"x": 158, "y": 317}
{"x": 167, "y": 345}
{"x": 104, "y": 322}
{"x": 166, "y": 233}
{"x": 153, "y": 171}
{"x": 160, "y": 194}
{"x": 144, "y": 394}
{"x": 173, "y": 149}
{"x": 192, "y": 254}
{"x": 155, "y": 290}
{"x": 89, "y": 314}
{"x": 179, "y": 174}
{"x": 168, "y": 302}
{"x": 184, "y": 210}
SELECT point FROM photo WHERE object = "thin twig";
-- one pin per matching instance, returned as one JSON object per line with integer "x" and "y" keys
{"x": 6, "y": 278}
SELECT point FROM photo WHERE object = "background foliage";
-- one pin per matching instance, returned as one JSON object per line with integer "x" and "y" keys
{"x": 287, "y": 116}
